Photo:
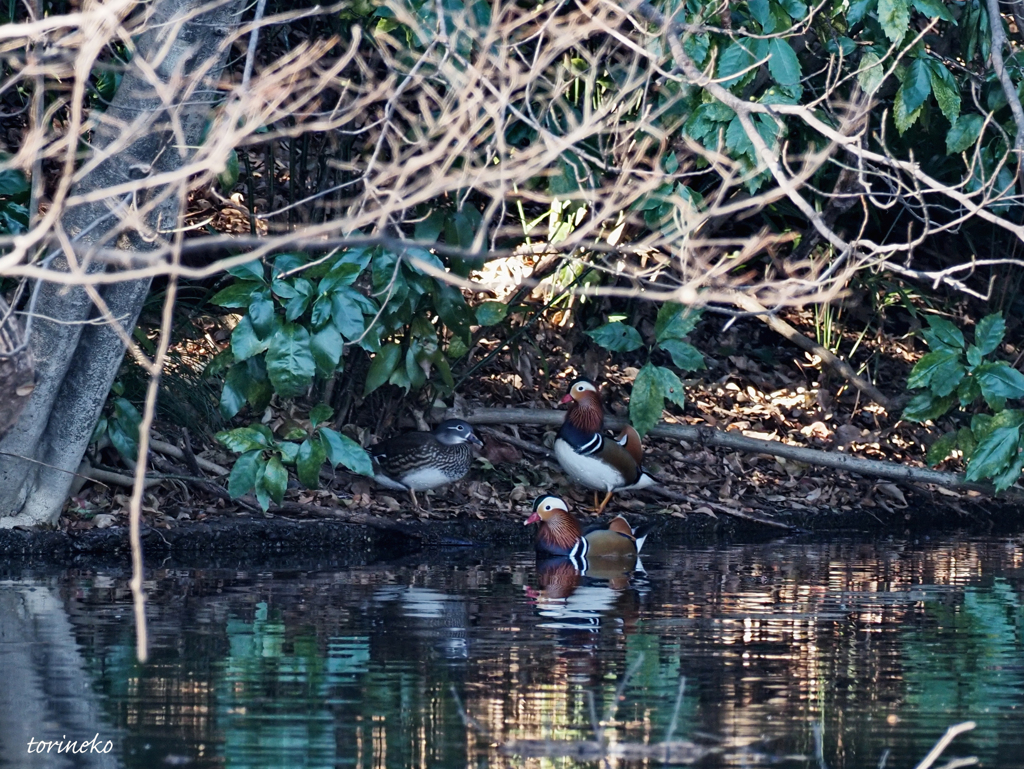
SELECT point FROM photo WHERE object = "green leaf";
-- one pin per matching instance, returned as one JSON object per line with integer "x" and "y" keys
{"x": 968, "y": 391}
{"x": 321, "y": 312}
{"x": 242, "y": 439}
{"x": 238, "y": 294}
{"x": 647, "y": 399}
{"x": 382, "y": 366}
{"x": 347, "y": 313}
{"x": 941, "y": 334}
{"x": 734, "y": 59}
{"x": 941, "y": 371}
{"x": 998, "y": 380}
{"x": 320, "y": 413}
{"x": 127, "y": 416}
{"x": 617, "y": 337}
{"x": 13, "y": 182}
{"x": 901, "y": 117}
{"x": 233, "y": 396}
{"x": 974, "y": 356}
{"x": 993, "y": 453}
{"x": 289, "y": 450}
{"x": 945, "y": 90}
{"x": 248, "y": 271}
{"x": 934, "y": 9}
{"x": 1010, "y": 475}
{"x": 326, "y": 345}
{"x": 965, "y": 441}
{"x": 941, "y": 449}
{"x": 308, "y": 462}
{"x": 290, "y": 363}
{"x": 925, "y": 406}
{"x": 126, "y": 445}
{"x": 783, "y": 64}
{"x": 429, "y": 227}
{"x": 894, "y": 16}
{"x": 261, "y": 313}
{"x": 244, "y": 342}
{"x": 964, "y": 133}
{"x": 871, "y": 72}
{"x": 491, "y": 313}
{"x": 342, "y": 450}
{"x": 759, "y": 10}
{"x": 242, "y": 478}
{"x": 98, "y": 430}
{"x": 671, "y": 386}
{"x": 274, "y": 480}
{"x": 989, "y": 332}
{"x": 684, "y": 355}
{"x": 917, "y": 84}
{"x": 300, "y": 301}
{"x": 795, "y": 8}
{"x": 228, "y": 178}
{"x": 675, "y": 321}
{"x": 858, "y": 10}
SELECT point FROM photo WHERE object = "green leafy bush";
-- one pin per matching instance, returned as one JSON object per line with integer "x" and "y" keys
{"x": 653, "y": 384}
{"x": 261, "y": 466}
{"x": 956, "y": 373}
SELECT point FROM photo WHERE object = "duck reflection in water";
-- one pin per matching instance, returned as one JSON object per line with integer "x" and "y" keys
{"x": 584, "y": 575}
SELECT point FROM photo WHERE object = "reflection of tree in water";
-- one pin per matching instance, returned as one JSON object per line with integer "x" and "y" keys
{"x": 885, "y": 646}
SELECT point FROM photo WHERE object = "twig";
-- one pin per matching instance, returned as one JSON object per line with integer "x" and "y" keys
{"x": 519, "y": 443}
{"x": 724, "y": 509}
{"x": 116, "y": 479}
{"x": 785, "y": 330}
{"x": 190, "y": 458}
{"x": 943, "y": 743}
{"x": 363, "y": 519}
{"x": 709, "y": 436}
{"x": 173, "y": 451}
{"x": 995, "y": 22}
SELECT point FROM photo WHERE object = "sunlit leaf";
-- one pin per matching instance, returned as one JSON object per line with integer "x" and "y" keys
{"x": 274, "y": 480}
{"x": 647, "y": 399}
{"x": 244, "y": 342}
{"x": 491, "y": 313}
{"x": 242, "y": 439}
{"x": 684, "y": 355}
{"x": 993, "y": 453}
{"x": 617, "y": 337}
{"x": 290, "y": 363}
{"x": 894, "y": 16}
{"x": 989, "y": 332}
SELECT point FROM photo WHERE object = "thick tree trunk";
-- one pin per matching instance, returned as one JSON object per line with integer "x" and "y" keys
{"x": 17, "y": 377}
{"x": 136, "y": 138}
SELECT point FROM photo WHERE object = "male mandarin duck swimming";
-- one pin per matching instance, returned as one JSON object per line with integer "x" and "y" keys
{"x": 588, "y": 457}
{"x": 560, "y": 534}
{"x": 418, "y": 461}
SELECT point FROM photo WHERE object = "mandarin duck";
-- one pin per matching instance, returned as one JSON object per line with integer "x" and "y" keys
{"x": 418, "y": 461}
{"x": 560, "y": 535}
{"x": 588, "y": 457}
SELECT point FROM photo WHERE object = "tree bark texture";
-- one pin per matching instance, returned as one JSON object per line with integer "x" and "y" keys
{"x": 77, "y": 360}
{"x": 17, "y": 372}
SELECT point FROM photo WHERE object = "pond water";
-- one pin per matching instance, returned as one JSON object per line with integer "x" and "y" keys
{"x": 795, "y": 654}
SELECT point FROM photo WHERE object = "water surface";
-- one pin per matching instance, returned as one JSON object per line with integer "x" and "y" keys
{"x": 790, "y": 654}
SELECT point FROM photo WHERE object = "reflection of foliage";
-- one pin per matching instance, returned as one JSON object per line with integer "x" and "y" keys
{"x": 277, "y": 690}
{"x": 966, "y": 659}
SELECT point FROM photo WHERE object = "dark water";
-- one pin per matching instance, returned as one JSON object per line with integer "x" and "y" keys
{"x": 837, "y": 654}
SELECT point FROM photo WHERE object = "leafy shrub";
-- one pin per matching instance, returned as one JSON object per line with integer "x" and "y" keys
{"x": 653, "y": 384}
{"x": 261, "y": 464}
{"x": 955, "y": 373}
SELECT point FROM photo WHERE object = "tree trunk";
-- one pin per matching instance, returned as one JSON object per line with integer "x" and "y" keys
{"x": 135, "y": 138}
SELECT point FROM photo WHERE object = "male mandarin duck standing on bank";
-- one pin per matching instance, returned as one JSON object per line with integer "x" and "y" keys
{"x": 419, "y": 461}
{"x": 560, "y": 534}
{"x": 588, "y": 457}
